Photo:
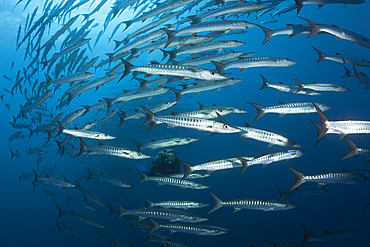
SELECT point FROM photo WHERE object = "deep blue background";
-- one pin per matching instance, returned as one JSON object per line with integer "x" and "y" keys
{"x": 27, "y": 214}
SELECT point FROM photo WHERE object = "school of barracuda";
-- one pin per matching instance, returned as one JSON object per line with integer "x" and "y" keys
{"x": 190, "y": 34}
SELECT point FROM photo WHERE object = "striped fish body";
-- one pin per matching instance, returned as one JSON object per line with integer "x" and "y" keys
{"x": 88, "y": 134}
{"x": 267, "y": 136}
{"x": 177, "y": 182}
{"x": 259, "y": 62}
{"x": 210, "y": 85}
{"x": 220, "y": 44}
{"x": 320, "y": 3}
{"x": 95, "y": 83}
{"x": 275, "y": 157}
{"x": 295, "y": 108}
{"x": 178, "y": 141}
{"x": 349, "y": 126}
{"x": 205, "y": 113}
{"x": 327, "y": 87}
{"x": 177, "y": 204}
{"x": 291, "y": 89}
{"x": 209, "y": 58}
{"x": 192, "y": 229}
{"x": 149, "y": 92}
{"x": 219, "y": 165}
{"x": 117, "y": 151}
{"x": 156, "y": 108}
{"x": 257, "y": 204}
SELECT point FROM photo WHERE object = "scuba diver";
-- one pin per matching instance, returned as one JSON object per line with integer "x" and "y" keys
{"x": 165, "y": 163}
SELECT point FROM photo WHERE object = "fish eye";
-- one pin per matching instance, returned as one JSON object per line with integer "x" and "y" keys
{"x": 226, "y": 126}
{"x": 212, "y": 72}
{"x": 188, "y": 139}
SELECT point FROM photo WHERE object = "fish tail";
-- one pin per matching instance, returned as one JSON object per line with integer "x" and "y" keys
{"x": 127, "y": 71}
{"x": 12, "y": 154}
{"x": 314, "y": 27}
{"x": 127, "y": 23}
{"x": 61, "y": 212}
{"x": 187, "y": 169}
{"x": 172, "y": 55}
{"x": 219, "y": 67}
{"x": 69, "y": 198}
{"x": 260, "y": 112}
{"x": 170, "y": 37}
{"x": 85, "y": 107}
{"x": 31, "y": 132}
{"x": 318, "y": 128}
{"x": 177, "y": 93}
{"x": 122, "y": 116}
{"x": 352, "y": 149}
{"x": 139, "y": 146}
{"x": 144, "y": 177}
{"x": 217, "y": 203}
{"x": 60, "y": 129}
{"x": 268, "y": 34}
{"x": 149, "y": 204}
{"x": 323, "y": 120}
{"x": 109, "y": 103}
{"x": 299, "y": 5}
{"x": 59, "y": 144}
{"x": 91, "y": 174}
{"x": 149, "y": 119}
{"x": 322, "y": 56}
{"x": 265, "y": 82}
{"x": 347, "y": 73}
{"x": 142, "y": 84}
{"x": 83, "y": 147}
{"x": 149, "y": 240}
{"x": 111, "y": 209}
{"x": 116, "y": 242}
{"x": 282, "y": 194}
{"x": 121, "y": 210}
{"x": 307, "y": 237}
{"x": 154, "y": 226}
{"x": 244, "y": 163}
{"x": 298, "y": 178}
{"x": 300, "y": 85}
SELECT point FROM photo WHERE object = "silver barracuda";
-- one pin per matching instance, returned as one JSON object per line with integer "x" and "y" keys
{"x": 190, "y": 176}
{"x": 175, "y": 70}
{"x": 281, "y": 87}
{"x": 83, "y": 202}
{"x": 214, "y": 106}
{"x": 283, "y": 10}
{"x": 105, "y": 178}
{"x": 340, "y": 58}
{"x": 90, "y": 195}
{"x": 302, "y": 192}
{"x": 188, "y": 122}
{"x": 266, "y": 136}
{"x": 205, "y": 113}
{"x": 102, "y": 120}
{"x": 169, "y": 214}
{"x": 355, "y": 150}
{"x": 328, "y": 178}
{"x": 184, "y": 184}
{"x": 254, "y": 204}
{"x": 327, "y": 236}
{"x": 55, "y": 181}
{"x": 37, "y": 102}
{"x": 214, "y": 165}
{"x": 160, "y": 81}
{"x": 81, "y": 217}
{"x": 168, "y": 242}
{"x": 203, "y": 86}
{"x": 344, "y": 127}
{"x": 218, "y": 57}
{"x": 70, "y": 78}
{"x": 252, "y": 62}
{"x": 210, "y": 26}
{"x": 288, "y": 108}
{"x": 84, "y": 133}
{"x": 219, "y": 45}
{"x": 112, "y": 151}
{"x": 187, "y": 228}
{"x": 175, "y": 204}
{"x": 290, "y": 30}
{"x": 321, "y": 3}
{"x": 361, "y": 76}
{"x": 338, "y": 32}
{"x": 267, "y": 159}
{"x": 72, "y": 89}
{"x": 126, "y": 96}
{"x": 177, "y": 141}
{"x": 139, "y": 114}
{"x": 325, "y": 87}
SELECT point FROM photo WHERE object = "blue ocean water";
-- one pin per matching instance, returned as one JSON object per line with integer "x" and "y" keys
{"x": 27, "y": 213}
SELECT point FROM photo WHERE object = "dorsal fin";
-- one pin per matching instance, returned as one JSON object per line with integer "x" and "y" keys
{"x": 247, "y": 125}
{"x": 101, "y": 144}
{"x": 344, "y": 119}
{"x": 281, "y": 103}
{"x": 324, "y": 171}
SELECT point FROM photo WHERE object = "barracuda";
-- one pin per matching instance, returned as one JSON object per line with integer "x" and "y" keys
{"x": 176, "y": 70}
{"x": 177, "y": 141}
{"x": 327, "y": 87}
{"x": 344, "y": 127}
{"x": 218, "y": 57}
{"x": 188, "y": 122}
{"x": 175, "y": 204}
{"x": 286, "y": 88}
{"x": 338, "y": 32}
{"x": 212, "y": 166}
{"x": 84, "y": 133}
{"x": 84, "y": 218}
{"x": 104, "y": 178}
{"x": 254, "y": 204}
{"x": 288, "y": 108}
{"x": 328, "y": 178}
{"x": 339, "y": 58}
{"x": 168, "y": 214}
{"x": 139, "y": 114}
{"x": 205, "y": 113}
{"x": 355, "y": 150}
{"x": 299, "y": 192}
{"x": 321, "y": 3}
{"x": 266, "y": 136}
{"x": 55, "y": 181}
{"x": 205, "y": 86}
{"x": 36, "y": 103}
{"x": 113, "y": 151}
{"x": 214, "y": 106}
{"x": 219, "y": 45}
{"x": 251, "y": 62}
{"x": 172, "y": 181}
{"x": 187, "y": 228}
{"x": 210, "y": 26}
{"x": 267, "y": 159}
